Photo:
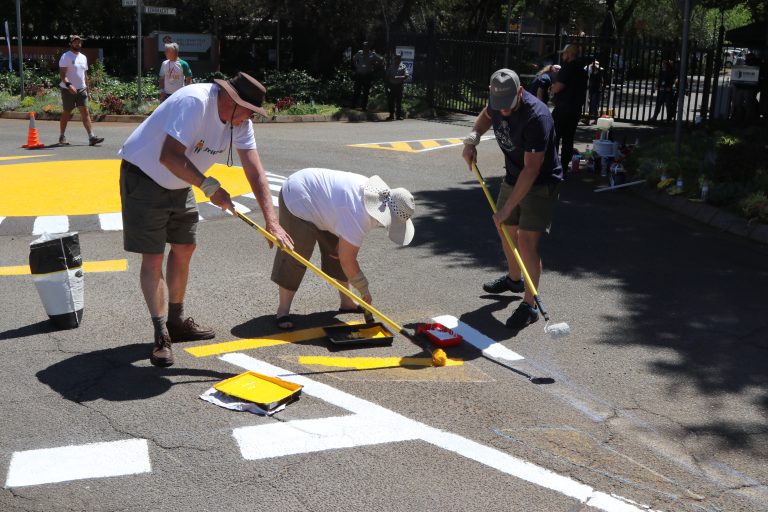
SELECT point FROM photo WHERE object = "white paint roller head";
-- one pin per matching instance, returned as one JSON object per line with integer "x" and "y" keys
{"x": 557, "y": 330}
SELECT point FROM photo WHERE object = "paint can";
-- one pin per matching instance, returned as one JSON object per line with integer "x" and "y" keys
{"x": 57, "y": 271}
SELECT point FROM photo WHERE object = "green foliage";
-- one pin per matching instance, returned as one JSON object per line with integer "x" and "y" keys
{"x": 728, "y": 194}
{"x": 295, "y": 83}
{"x": 755, "y": 206}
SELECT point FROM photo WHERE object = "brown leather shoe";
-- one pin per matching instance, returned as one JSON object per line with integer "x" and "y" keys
{"x": 162, "y": 352}
{"x": 188, "y": 330}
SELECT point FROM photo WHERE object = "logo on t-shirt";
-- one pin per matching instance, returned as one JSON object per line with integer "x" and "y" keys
{"x": 503, "y": 136}
{"x": 200, "y": 146}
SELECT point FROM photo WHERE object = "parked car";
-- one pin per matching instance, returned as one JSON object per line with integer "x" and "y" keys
{"x": 733, "y": 57}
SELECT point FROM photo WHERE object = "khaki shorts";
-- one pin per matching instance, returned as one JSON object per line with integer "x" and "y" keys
{"x": 69, "y": 101}
{"x": 286, "y": 271}
{"x": 537, "y": 209}
{"x": 153, "y": 215}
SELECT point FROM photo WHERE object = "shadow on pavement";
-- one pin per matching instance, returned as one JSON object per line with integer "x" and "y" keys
{"x": 42, "y": 327}
{"x": 685, "y": 287}
{"x": 110, "y": 374}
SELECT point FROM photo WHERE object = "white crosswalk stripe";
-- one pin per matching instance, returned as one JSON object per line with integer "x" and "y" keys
{"x": 111, "y": 221}
{"x": 114, "y": 221}
{"x": 50, "y": 224}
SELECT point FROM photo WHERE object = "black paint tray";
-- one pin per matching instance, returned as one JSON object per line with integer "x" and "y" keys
{"x": 368, "y": 334}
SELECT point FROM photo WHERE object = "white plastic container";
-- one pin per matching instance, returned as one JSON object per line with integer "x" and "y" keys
{"x": 604, "y": 123}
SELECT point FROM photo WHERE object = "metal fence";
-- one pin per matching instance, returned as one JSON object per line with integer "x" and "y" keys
{"x": 455, "y": 72}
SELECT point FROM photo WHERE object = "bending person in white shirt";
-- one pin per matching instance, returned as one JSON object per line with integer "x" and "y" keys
{"x": 335, "y": 210}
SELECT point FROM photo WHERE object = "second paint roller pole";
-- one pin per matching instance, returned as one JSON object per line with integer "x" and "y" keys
{"x": 370, "y": 310}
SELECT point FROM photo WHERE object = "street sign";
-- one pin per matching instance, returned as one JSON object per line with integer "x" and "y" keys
{"x": 168, "y": 11}
{"x": 148, "y": 9}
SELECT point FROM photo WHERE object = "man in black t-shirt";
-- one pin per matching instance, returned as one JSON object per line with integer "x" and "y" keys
{"x": 570, "y": 91}
{"x": 525, "y": 132}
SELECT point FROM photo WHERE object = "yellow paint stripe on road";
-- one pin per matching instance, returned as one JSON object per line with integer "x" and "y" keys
{"x": 402, "y": 146}
{"x": 4, "y": 158}
{"x": 370, "y": 363}
{"x": 88, "y": 267}
{"x": 429, "y": 144}
{"x": 454, "y": 141}
{"x": 250, "y": 343}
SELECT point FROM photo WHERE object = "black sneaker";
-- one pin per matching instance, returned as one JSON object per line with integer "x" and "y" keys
{"x": 503, "y": 284}
{"x": 92, "y": 141}
{"x": 523, "y": 316}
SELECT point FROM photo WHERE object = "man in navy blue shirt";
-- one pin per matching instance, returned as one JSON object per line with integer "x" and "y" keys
{"x": 525, "y": 133}
{"x": 570, "y": 92}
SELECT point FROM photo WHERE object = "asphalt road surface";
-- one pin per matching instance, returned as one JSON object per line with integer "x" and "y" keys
{"x": 659, "y": 398}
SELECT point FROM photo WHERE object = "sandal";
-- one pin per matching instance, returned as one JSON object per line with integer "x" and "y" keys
{"x": 284, "y": 322}
{"x": 356, "y": 309}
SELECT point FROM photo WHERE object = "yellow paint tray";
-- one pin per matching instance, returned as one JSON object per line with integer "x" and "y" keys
{"x": 267, "y": 392}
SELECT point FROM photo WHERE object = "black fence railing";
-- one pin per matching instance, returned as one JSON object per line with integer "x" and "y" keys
{"x": 455, "y": 71}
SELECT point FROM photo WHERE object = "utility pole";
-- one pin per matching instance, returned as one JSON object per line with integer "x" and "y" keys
{"x": 682, "y": 85}
{"x": 21, "y": 51}
{"x": 138, "y": 49}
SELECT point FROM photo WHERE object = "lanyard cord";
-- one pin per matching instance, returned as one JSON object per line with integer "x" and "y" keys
{"x": 230, "y": 159}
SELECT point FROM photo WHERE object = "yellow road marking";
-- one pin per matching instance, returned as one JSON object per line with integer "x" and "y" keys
{"x": 369, "y": 363}
{"x": 88, "y": 267}
{"x": 411, "y": 146}
{"x": 428, "y": 144}
{"x": 4, "y": 158}
{"x": 269, "y": 341}
{"x": 82, "y": 187}
{"x": 401, "y": 146}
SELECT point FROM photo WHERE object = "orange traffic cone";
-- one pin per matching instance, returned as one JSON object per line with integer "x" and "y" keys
{"x": 33, "y": 142}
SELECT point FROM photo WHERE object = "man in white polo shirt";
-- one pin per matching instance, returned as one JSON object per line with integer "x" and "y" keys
{"x": 162, "y": 159}
{"x": 75, "y": 91}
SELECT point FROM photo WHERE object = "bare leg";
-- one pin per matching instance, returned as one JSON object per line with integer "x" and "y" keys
{"x": 177, "y": 271}
{"x": 285, "y": 298}
{"x": 86, "y": 116}
{"x": 153, "y": 284}
{"x": 63, "y": 120}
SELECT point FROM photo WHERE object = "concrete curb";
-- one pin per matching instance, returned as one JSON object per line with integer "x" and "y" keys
{"x": 710, "y": 215}
{"x": 351, "y": 117}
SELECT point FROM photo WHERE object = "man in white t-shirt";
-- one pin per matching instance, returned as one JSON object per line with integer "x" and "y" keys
{"x": 174, "y": 72}
{"x": 162, "y": 158}
{"x": 75, "y": 91}
{"x": 335, "y": 210}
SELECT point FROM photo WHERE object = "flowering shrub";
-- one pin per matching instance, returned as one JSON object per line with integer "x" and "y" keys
{"x": 283, "y": 103}
{"x": 112, "y": 104}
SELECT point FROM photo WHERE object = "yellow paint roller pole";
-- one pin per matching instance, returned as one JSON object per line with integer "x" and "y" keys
{"x": 343, "y": 289}
{"x": 559, "y": 329}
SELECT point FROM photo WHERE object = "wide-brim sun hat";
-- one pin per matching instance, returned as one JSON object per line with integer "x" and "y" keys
{"x": 392, "y": 208}
{"x": 246, "y": 91}
{"x": 505, "y": 85}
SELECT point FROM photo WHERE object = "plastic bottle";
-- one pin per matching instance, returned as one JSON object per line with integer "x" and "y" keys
{"x": 704, "y": 190}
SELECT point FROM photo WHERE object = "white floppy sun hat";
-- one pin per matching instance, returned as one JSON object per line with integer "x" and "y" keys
{"x": 392, "y": 208}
